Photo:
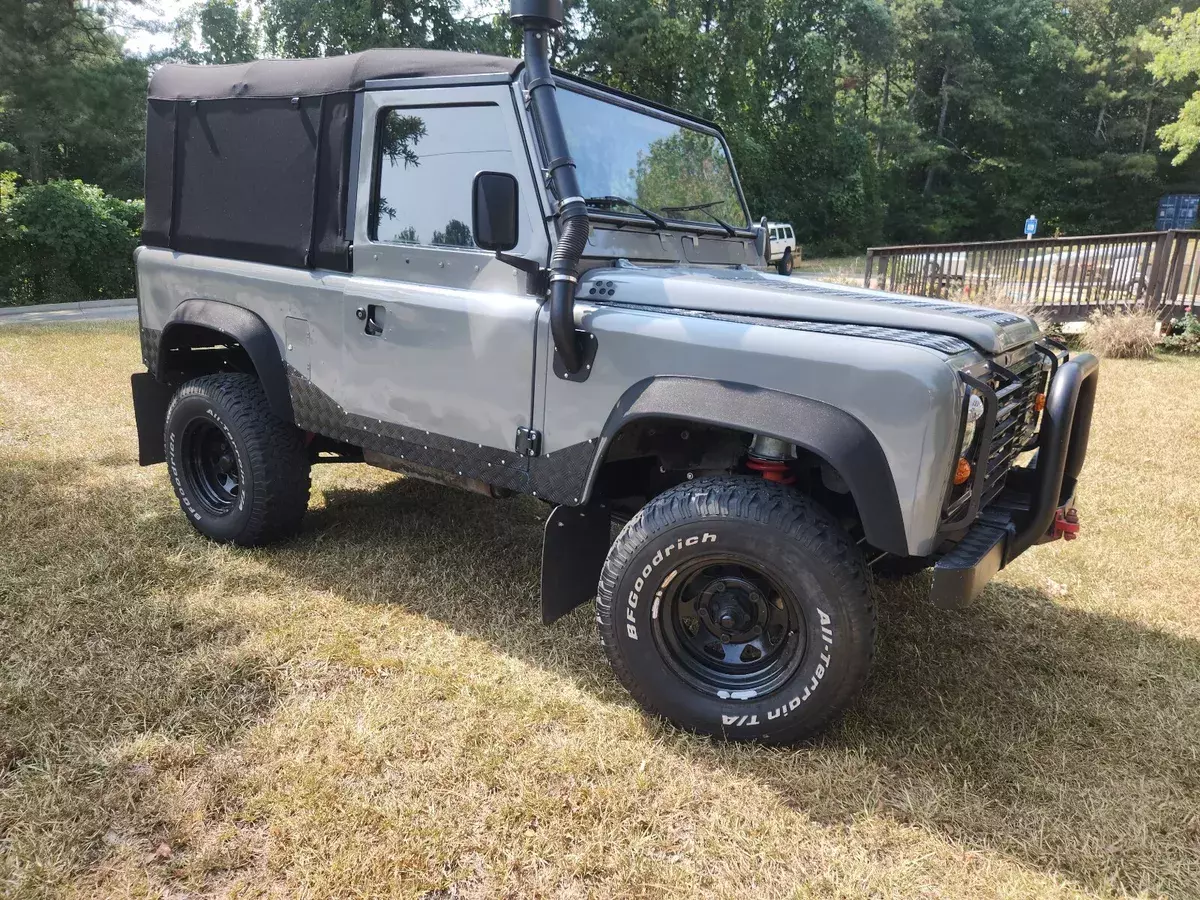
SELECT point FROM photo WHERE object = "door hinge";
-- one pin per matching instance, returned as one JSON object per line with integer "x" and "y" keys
{"x": 529, "y": 441}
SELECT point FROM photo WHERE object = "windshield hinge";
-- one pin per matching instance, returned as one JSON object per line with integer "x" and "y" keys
{"x": 529, "y": 441}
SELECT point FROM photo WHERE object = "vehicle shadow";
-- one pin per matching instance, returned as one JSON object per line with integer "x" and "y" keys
{"x": 1065, "y": 740}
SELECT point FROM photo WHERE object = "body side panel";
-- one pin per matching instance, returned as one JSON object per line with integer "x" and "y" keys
{"x": 904, "y": 395}
{"x": 167, "y": 279}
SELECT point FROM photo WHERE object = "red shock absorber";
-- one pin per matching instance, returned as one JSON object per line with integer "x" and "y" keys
{"x": 769, "y": 458}
{"x": 771, "y": 469}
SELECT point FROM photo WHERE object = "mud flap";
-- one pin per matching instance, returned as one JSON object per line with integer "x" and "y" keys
{"x": 573, "y": 552}
{"x": 150, "y": 401}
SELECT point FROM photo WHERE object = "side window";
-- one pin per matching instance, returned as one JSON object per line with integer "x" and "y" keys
{"x": 426, "y": 162}
{"x": 790, "y": 233}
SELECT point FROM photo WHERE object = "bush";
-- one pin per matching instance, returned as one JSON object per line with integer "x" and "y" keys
{"x": 65, "y": 241}
{"x": 1124, "y": 335}
{"x": 1183, "y": 336}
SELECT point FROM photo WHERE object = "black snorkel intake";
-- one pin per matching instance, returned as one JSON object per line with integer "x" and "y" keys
{"x": 537, "y": 18}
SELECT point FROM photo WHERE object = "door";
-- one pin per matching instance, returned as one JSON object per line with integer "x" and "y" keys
{"x": 439, "y": 335}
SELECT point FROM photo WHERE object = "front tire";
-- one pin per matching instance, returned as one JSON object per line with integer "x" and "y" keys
{"x": 737, "y": 608}
{"x": 240, "y": 473}
{"x": 785, "y": 265}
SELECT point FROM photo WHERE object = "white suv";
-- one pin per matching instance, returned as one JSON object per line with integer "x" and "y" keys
{"x": 782, "y": 252}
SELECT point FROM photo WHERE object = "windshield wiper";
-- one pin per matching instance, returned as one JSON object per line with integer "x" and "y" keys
{"x": 705, "y": 208}
{"x": 610, "y": 202}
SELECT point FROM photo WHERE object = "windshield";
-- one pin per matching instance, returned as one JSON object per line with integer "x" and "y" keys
{"x": 660, "y": 165}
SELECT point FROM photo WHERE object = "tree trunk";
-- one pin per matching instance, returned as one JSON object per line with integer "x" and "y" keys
{"x": 1098, "y": 134}
{"x": 941, "y": 129}
{"x": 1146, "y": 125}
{"x": 883, "y": 110}
{"x": 34, "y": 152}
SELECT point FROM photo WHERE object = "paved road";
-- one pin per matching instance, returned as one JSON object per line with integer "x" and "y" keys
{"x": 86, "y": 311}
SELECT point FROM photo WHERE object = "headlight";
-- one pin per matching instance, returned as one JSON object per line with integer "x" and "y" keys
{"x": 974, "y": 414}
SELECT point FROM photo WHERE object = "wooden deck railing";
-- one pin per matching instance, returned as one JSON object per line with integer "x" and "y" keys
{"x": 1157, "y": 271}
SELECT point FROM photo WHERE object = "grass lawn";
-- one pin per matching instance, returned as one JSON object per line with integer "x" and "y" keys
{"x": 374, "y": 709}
{"x": 843, "y": 269}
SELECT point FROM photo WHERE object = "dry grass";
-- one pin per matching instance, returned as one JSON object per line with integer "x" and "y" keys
{"x": 996, "y": 298}
{"x": 1122, "y": 335}
{"x": 375, "y": 710}
{"x": 837, "y": 269}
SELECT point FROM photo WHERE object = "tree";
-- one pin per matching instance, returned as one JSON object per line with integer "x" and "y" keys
{"x": 71, "y": 104}
{"x": 456, "y": 234}
{"x": 216, "y": 32}
{"x": 1177, "y": 60}
{"x": 333, "y": 27}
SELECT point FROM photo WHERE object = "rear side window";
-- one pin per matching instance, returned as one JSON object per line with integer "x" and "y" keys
{"x": 790, "y": 235}
{"x": 426, "y": 159}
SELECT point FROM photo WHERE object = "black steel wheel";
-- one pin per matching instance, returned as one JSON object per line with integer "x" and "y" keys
{"x": 727, "y": 626}
{"x": 210, "y": 466}
{"x": 241, "y": 474}
{"x": 737, "y": 607}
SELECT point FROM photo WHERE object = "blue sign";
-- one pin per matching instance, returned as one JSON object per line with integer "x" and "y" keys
{"x": 1031, "y": 226}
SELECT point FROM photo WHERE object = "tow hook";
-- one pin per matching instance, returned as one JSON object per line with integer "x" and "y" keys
{"x": 1066, "y": 525}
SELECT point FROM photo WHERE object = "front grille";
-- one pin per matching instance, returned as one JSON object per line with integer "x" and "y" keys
{"x": 1008, "y": 428}
{"x": 1016, "y": 418}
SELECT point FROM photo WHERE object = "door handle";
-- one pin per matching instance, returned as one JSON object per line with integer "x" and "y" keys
{"x": 372, "y": 327}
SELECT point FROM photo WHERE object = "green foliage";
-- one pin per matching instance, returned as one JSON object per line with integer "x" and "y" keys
{"x": 1177, "y": 60}
{"x": 71, "y": 104}
{"x": 456, "y": 234}
{"x": 1183, "y": 336}
{"x": 63, "y": 241}
{"x": 687, "y": 169}
{"x": 330, "y": 27}
{"x": 216, "y": 32}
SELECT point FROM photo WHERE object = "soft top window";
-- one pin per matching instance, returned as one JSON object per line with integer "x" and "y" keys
{"x": 427, "y": 158}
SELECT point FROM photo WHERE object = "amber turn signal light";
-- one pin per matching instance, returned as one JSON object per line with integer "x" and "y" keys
{"x": 963, "y": 472}
{"x": 1039, "y": 402}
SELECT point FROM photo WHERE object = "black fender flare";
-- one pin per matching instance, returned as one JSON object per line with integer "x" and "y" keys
{"x": 247, "y": 329}
{"x": 830, "y": 433}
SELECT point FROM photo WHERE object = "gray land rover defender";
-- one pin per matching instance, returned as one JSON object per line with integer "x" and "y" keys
{"x": 487, "y": 273}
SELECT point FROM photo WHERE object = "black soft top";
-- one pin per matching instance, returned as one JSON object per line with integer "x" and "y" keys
{"x": 254, "y": 161}
{"x": 268, "y": 78}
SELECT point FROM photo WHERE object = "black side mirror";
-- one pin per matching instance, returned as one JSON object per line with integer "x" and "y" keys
{"x": 494, "y": 211}
{"x": 762, "y": 240}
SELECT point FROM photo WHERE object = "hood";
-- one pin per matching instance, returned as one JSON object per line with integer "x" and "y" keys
{"x": 747, "y": 292}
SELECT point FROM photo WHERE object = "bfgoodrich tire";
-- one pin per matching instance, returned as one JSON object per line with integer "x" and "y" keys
{"x": 241, "y": 474}
{"x": 736, "y": 607}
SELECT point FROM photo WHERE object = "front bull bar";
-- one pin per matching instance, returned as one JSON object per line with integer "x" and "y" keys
{"x": 1024, "y": 514}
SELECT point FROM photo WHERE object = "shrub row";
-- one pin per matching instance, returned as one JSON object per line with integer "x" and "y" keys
{"x": 65, "y": 241}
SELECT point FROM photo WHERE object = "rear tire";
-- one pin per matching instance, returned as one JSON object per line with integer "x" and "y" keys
{"x": 785, "y": 265}
{"x": 240, "y": 473}
{"x": 737, "y": 608}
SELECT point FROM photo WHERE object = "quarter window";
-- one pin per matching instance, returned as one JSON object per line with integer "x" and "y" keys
{"x": 426, "y": 162}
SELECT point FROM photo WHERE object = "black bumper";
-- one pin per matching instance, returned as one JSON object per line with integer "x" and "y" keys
{"x": 1024, "y": 513}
